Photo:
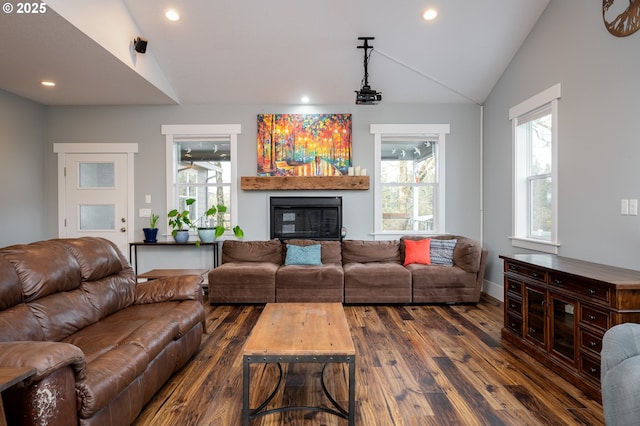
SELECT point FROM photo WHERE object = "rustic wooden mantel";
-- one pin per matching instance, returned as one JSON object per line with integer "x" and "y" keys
{"x": 264, "y": 183}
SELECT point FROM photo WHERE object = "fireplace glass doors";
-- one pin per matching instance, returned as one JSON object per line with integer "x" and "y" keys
{"x": 316, "y": 218}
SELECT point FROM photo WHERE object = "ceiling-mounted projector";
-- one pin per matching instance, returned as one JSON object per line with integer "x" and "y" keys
{"x": 366, "y": 95}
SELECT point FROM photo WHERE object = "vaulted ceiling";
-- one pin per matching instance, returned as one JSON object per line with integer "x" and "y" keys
{"x": 262, "y": 52}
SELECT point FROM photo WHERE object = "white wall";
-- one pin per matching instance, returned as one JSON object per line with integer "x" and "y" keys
{"x": 141, "y": 124}
{"x": 599, "y": 142}
{"x": 22, "y": 136}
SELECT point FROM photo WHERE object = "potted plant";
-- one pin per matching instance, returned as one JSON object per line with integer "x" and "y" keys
{"x": 151, "y": 233}
{"x": 213, "y": 224}
{"x": 180, "y": 223}
{"x": 206, "y": 233}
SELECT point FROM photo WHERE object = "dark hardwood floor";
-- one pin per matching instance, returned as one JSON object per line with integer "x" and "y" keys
{"x": 416, "y": 365}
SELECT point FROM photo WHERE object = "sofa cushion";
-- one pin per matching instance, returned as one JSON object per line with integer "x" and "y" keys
{"x": 10, "y": 290}
{"x": 243, "y": 282}
{"x": 63, "y": 314}
{"x": 331, "y": 250}
{"x": 441, "y": 276}
{"x": 97, "y": 257}
{"x": 44, "y": 268}
{"x": 441, "y": 251}
{"x": 323, "y": 283}
{"x": 110, "y": 294}
{"x": 359, "y": 251}
{"x": 107, "y": 376}
{"x": 252, "y": 251}
{"x": 376, "y": 282}
{"x": 298, "y": 255}
{"x": 19, "y": 323}
{"x": 417, "y": 252}
{"x": 467, "y": 254}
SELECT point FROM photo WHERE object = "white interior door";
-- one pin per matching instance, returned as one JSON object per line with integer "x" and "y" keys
{"x": 95, "y": 197}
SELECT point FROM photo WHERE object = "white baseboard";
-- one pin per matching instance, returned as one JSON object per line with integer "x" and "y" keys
{"x": 494, "y": 290}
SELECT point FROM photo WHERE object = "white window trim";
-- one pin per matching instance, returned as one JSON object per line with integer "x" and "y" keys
{"x": 380, "y": 130}
{"x": 173, "y": 131}
{"x": 549, "y": 96}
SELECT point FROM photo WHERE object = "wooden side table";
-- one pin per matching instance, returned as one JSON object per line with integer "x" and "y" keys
{"x": 8, "y": 378}
{"x": 133, "y": 249}
{"x": 154, "y": 274}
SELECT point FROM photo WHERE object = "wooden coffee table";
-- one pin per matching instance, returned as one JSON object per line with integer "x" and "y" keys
{"x": 300, "y": 332}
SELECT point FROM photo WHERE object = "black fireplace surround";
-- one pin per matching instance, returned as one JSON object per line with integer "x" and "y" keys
{"x": 315, "y": 218}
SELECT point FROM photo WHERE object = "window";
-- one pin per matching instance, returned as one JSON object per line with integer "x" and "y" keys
{"x": 409, "y": 178}
{"x": 535, "y": 142}
{"x": 201, "y": 164}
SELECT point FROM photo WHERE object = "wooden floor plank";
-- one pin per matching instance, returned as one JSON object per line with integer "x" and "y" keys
{"x": 415, "y": 365}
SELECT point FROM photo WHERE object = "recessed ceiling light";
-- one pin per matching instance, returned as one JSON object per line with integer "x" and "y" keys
{"x": 172, "y": 15}
{"x": 47, "y": 83}
{"x": 304, "y": 99}
{"x": 430, "y": 14}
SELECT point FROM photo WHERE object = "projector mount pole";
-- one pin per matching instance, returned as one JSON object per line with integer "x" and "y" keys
{"x": 366, "y": 47}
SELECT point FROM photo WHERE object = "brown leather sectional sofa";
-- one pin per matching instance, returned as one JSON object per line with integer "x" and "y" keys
{"x": 352, "y": 271}
{"x": 101, "y": 345}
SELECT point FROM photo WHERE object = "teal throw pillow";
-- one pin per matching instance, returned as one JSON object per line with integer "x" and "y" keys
{"x": 309, "y": 255}
{"x": 441, "y": 251}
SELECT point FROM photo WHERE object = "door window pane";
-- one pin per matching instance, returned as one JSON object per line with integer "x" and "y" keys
{"x": 97, "y": 217}
{"x": 96, "y": 175}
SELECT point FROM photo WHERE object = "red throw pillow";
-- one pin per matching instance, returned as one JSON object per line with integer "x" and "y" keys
{"x": 417, "y": 251}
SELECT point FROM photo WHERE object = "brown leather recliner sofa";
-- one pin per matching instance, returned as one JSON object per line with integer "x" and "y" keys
{"x": 101, "y": 345}
{"x": 352, "y": 271}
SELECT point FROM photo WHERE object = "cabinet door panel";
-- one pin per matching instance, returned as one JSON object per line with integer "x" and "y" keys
{"x": 536, "y": 312}
{"x": 563, "y": 327}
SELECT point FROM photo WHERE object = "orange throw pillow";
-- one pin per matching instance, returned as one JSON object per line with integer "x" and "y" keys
{"x": 417, "y": 251}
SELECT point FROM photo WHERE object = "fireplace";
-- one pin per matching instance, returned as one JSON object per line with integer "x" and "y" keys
{"x": 315, "y": 218}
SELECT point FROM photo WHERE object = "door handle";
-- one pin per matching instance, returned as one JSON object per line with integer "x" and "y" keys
{"x": 123, "y": 220}
{"x": 123, "y": 229}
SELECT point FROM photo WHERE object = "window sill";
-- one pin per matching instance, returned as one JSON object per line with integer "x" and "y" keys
{"x": 537, "y": 245}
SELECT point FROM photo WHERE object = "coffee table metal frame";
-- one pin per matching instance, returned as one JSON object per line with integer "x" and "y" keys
{"x": 251, "y": 413}
{"x": 293, "y": 333}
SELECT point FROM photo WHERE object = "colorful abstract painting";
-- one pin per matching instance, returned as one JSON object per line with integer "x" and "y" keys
{"x": 304, "y": 144}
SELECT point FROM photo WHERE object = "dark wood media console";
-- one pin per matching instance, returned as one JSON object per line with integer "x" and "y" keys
{"x": 558, "y": 309}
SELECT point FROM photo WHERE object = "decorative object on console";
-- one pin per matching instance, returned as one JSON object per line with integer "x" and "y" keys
{"x": 179, "y": 220}
{"x": 151, "y": 233}
{"x": 623, "y": 24}
{"x": 304, "y": 144}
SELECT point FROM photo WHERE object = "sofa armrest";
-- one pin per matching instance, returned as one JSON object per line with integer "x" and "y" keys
{"x": 619, "y": 343}
{"x": 182, "y": 287}
{"x": 45, "y": 357}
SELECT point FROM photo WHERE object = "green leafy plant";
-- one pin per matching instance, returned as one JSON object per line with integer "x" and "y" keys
{"x": 180, "y": 219}
{"x": 153, "y": 220}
